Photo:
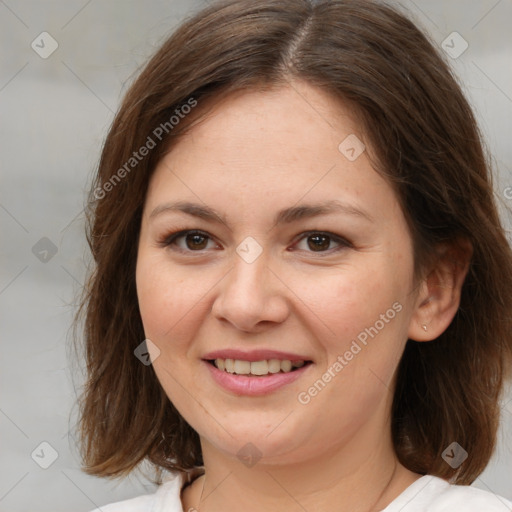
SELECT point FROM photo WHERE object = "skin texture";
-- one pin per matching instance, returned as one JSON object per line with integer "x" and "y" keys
{"x": 256, "y": 153}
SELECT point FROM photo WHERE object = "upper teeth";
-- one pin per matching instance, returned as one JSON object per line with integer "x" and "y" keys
{"x": 264, "y": 367}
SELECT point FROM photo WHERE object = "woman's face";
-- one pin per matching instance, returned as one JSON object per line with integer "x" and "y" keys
{"x": 297, "y": 252}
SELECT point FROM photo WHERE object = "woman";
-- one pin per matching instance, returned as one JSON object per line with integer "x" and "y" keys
{"x": 302, "y": 287}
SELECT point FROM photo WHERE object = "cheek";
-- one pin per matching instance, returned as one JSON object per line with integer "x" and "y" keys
{"x": 171, "y": 302}
{"x": 352, "y": 299}
{"x": 365, "y": 311}
{"x": 162, "y": 296}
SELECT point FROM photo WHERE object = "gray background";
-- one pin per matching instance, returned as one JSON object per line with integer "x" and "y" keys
{"x": 54, "y": 115}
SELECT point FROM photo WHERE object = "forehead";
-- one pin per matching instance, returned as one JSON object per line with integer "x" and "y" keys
{"x": 303, "y": 116}
{"x": 269, "y": 148}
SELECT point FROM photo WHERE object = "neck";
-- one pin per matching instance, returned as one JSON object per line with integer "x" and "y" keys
{"x": 362, "y": 478}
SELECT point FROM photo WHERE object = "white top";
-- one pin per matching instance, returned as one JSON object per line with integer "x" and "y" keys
{"x": 427, "y": 494}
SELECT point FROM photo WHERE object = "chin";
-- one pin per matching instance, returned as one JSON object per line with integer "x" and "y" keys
{"x": 251, "y": 441}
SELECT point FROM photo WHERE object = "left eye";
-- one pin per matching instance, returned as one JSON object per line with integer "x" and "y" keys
{"x": 320, "y": 242}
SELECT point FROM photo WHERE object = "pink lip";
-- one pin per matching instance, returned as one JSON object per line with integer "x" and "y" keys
{"x": 254, "y": 386}
{"x": 254, "y": 355}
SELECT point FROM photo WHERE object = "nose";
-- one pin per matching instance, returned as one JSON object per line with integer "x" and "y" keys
{"x": 251, "y": 298}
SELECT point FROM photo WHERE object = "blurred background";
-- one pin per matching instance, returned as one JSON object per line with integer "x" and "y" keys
{"x": 64, "y": 66}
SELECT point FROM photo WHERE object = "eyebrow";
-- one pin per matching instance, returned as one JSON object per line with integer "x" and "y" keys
{"x": 286, "y": 216}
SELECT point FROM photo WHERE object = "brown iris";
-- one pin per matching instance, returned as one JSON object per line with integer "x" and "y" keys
{"x": 320, "y": 242}
{"x": 196, "y": 241}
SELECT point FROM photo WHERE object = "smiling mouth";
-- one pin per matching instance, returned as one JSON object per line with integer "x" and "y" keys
{"x": 257, "y": 368}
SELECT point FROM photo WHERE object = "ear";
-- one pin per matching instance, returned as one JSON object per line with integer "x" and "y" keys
{"x": 439, "y": 292}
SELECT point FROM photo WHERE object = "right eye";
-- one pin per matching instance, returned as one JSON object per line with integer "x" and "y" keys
{"x": 187, "y": 240}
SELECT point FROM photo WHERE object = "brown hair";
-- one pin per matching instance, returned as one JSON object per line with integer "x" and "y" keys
{"x": 426, "y": 142}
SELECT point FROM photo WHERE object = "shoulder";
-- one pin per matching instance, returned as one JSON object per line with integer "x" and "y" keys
{"x": 138, "y": 504}
{"x": 433, "y": 494}
{"x": 470, "y": 499}
{"x": 166, "y": 498}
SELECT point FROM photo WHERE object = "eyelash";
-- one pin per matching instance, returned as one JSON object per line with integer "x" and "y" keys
{"x": 170, "y": 239}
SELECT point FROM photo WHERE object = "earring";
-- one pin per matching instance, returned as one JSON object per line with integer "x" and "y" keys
{"x": 424, "y": 326}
